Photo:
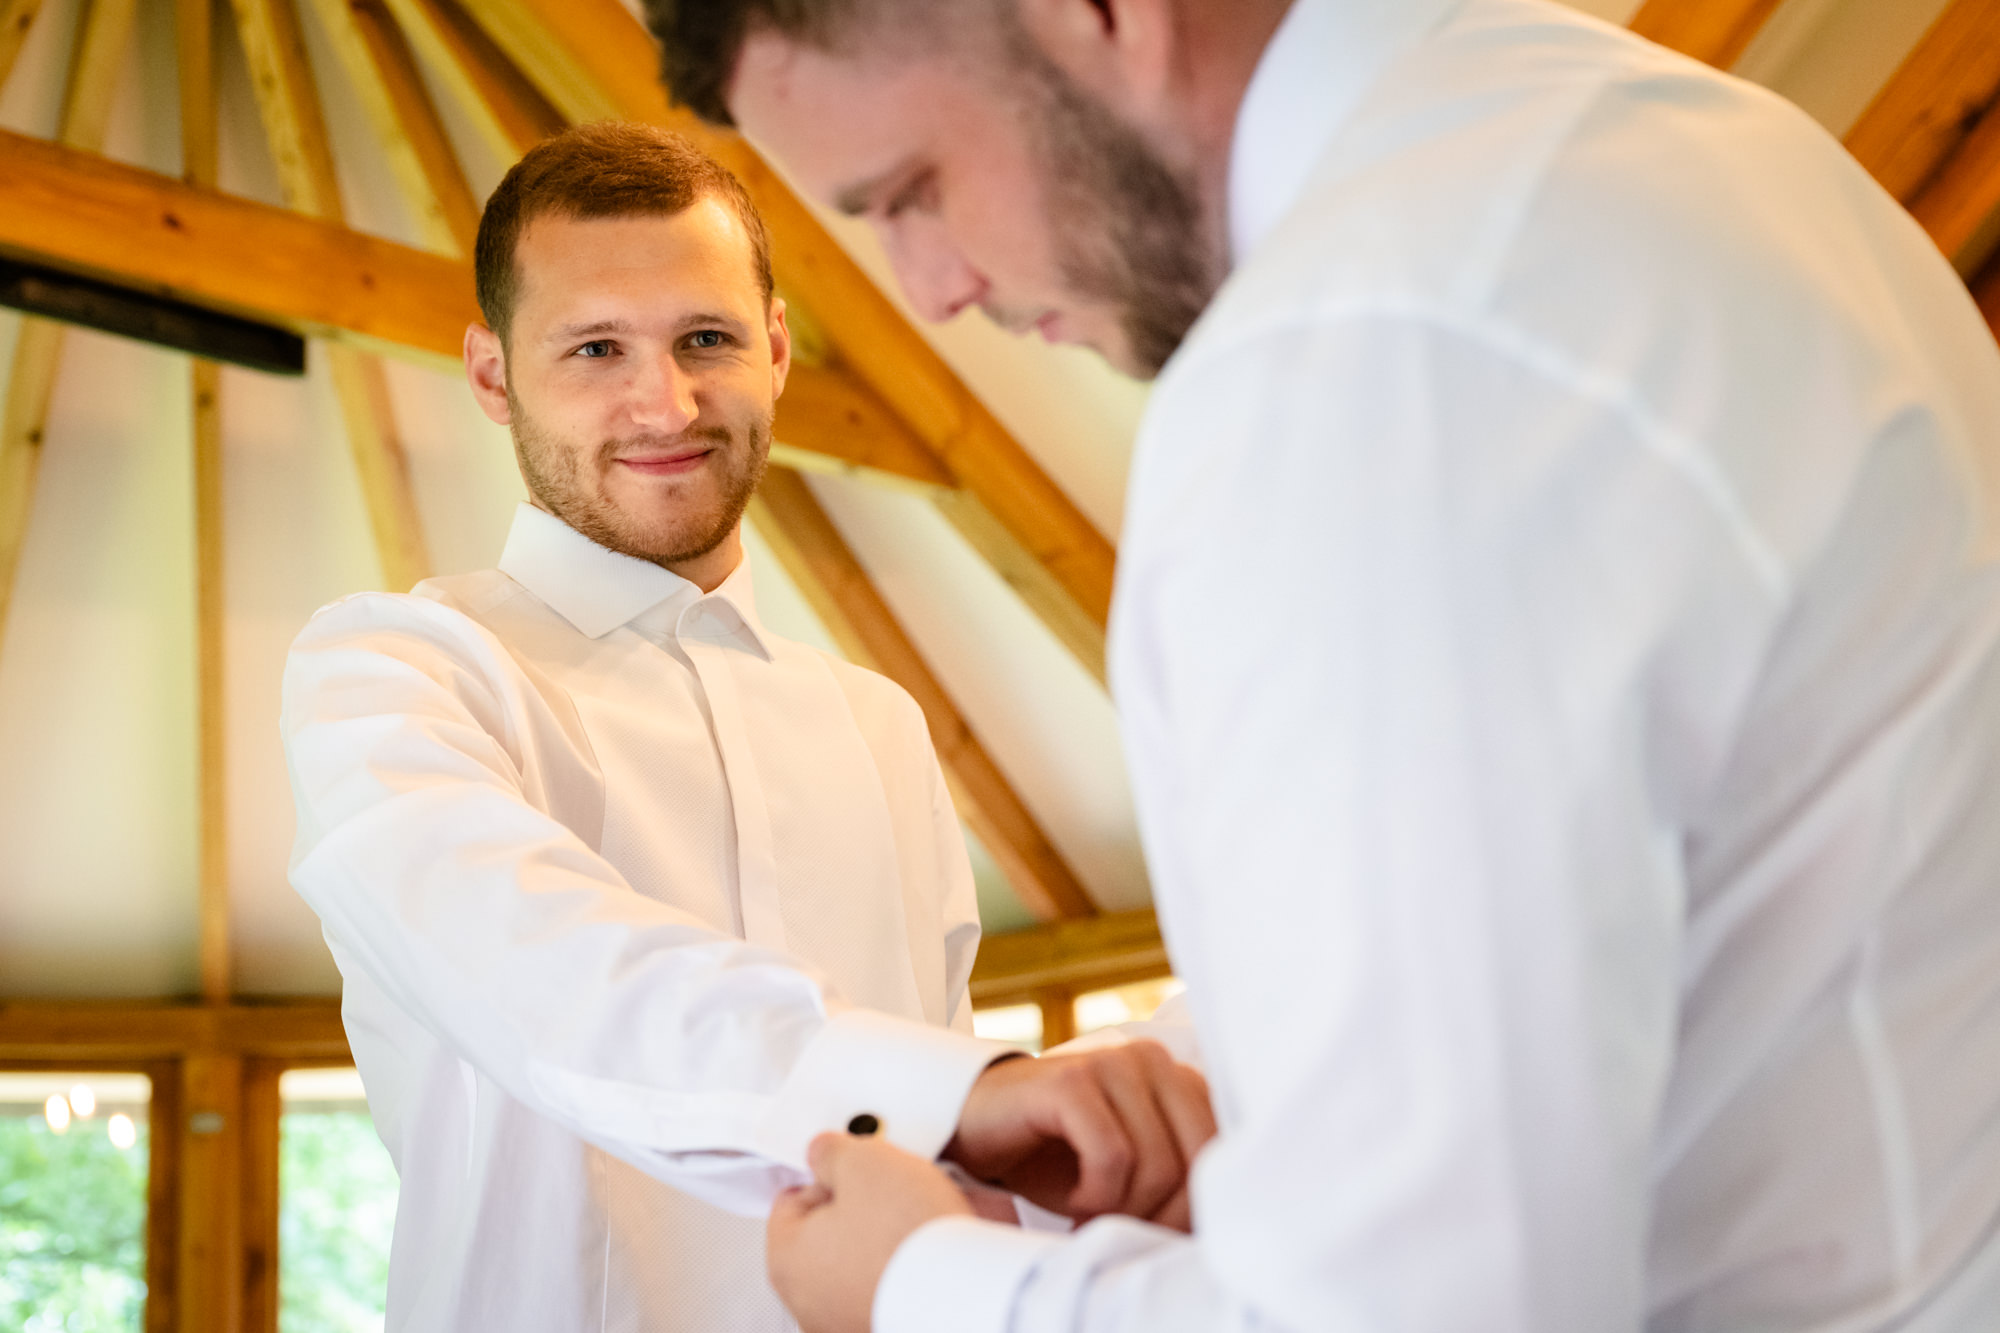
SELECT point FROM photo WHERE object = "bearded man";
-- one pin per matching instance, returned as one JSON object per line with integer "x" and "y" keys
{"x": 1557, "y": 642}
{"x": 630, "y": 895}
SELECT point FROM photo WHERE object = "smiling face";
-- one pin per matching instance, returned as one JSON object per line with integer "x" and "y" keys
{"x": 992, "y": 182}
{"x": 639, "y": 377}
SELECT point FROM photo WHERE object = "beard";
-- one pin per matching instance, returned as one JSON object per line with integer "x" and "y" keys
{"x": 670, "y": 534}
{"x": 1129, "y": 227}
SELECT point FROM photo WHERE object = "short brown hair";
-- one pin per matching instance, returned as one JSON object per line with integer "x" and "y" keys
{"x": 610, "y": 169}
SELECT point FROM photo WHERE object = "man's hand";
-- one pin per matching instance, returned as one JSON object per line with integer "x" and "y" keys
{"x": 1111, "y": 1130}
{"x": 827, "y": 1244}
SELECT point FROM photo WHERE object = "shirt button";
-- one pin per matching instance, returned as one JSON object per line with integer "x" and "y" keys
{"x": 863, "y": 1124}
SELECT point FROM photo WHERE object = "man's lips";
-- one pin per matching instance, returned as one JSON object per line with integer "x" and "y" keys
{"x": 665, "y": 465}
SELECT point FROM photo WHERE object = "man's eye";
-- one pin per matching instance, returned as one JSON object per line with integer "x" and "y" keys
{"x": 707, "y": 338}
{"x": 595, "y": 351}
{"x": 920, "y": 193}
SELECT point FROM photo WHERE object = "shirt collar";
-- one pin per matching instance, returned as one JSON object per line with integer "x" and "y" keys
{"x": 598, "y": 590}
{"x": 1317, "y": 67}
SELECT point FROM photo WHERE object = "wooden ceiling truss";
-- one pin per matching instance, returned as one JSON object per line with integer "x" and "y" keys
{"x": 873, "y": 400}
{"x": 305, "y": 269}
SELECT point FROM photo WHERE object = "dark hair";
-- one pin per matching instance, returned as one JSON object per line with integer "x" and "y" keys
{"x": 701, "y": 40}
{"x": 608, "y": 170}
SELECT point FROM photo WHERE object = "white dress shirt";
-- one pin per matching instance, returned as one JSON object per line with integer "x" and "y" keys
{"x": 625, "y": 891}
{"x": 1568, "y": 757}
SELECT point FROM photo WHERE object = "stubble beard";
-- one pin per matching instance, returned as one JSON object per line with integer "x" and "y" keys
{"x": 1131, "y": 229}
{"x": 552, "y": 471}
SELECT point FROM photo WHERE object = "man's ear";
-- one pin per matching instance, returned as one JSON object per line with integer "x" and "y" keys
{"x": 1119, "y": 51}
{"x": 486, "y": 372}
{"x": 781, "y": 347}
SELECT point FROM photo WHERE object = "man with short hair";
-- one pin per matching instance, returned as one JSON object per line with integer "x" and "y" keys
{"x": 1557, "y": 644}
{"x": 630, "y": 895}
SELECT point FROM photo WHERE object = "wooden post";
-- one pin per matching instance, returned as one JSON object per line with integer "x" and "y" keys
{"x": 1058, "y": 1015}
{"x": 163, "y": 1175}
{"x": 211, "y": 1184}
{"x": 261, "y": 1110}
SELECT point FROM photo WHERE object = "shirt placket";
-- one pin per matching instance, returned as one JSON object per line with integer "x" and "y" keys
{"x": 756, "y": 859}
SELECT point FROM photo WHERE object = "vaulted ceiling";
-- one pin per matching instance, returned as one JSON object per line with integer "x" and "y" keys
{"x": 947, "y": 512}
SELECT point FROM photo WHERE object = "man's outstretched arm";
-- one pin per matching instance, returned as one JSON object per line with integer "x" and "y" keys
{"x": 706, "y": 1061}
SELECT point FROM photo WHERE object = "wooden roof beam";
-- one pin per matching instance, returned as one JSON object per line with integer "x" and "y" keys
{"x": 295, "y": 127}
{"x": 1986, "y": 290}
{"x": 103, "y": 34}
{"x": 383, "y": 70}
{"x": 1714, "y": 31}
{"x": 593, "y": 60}
{"x": 1932, "y": 135}
{"x": 826, "y": 571}
{"x": 511, "y": 114}
{"x": 16, "y": 18}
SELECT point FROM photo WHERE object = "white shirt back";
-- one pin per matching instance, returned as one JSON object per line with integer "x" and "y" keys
{"x": 1566, "y": 756}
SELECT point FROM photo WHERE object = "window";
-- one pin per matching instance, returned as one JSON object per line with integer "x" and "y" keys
{"x": 74, "y": 1154}
{"x": 1016, "y": 1024}
{"x": 1123, "y": 1004}
{"x": 336, "y": 1206}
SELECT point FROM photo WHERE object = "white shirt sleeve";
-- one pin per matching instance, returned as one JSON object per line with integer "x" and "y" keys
{"x": 959, "y": 896}
{"x": 704, "y": 1060}
{"x": 1424, "y": 648}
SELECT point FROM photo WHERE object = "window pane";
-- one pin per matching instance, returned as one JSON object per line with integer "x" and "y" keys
{"x": 1018, "y": 1024}
{"x": 336, "y": 1206}
{"x": 1123, "y": 1004}
{"x": 73, "y": 1153}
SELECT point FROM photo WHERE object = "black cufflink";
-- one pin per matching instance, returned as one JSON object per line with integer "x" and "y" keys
{"x": 863, "y": 1124}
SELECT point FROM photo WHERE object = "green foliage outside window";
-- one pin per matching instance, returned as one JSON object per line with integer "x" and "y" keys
{"x": 337, "y": 1205}
{"x": 72, "y": 1229}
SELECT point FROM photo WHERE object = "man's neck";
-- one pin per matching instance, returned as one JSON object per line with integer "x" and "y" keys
{"x": 708, "y": 571}
{"x": 1220, "y": 44}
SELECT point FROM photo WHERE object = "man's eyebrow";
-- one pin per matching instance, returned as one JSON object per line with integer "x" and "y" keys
{"x": 589, "y": 329}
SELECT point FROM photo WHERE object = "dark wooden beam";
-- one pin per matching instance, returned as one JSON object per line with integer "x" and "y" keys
{"x": 159, "y": 320}
{"x": 140, "y": 1030}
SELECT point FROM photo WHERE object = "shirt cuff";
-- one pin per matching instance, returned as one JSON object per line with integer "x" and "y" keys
{"x": 960, "y": 1273}
{"x": 911, "y": 1078}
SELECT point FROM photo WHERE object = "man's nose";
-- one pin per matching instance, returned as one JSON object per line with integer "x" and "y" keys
{"x": 935, "y": 275}
{"x": 663, "y": 396}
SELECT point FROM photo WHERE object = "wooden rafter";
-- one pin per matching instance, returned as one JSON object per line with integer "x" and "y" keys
{"x": 593, "y": 60}
{"x": 295, "y": 128}
{"x": 1932, "y": 136}
{"x": 510, "y": 113}
{"x": 826, "y": 571}
{"x": 1069, "y": 956}
{"x": 16, "y": 18}
{"x": 104, "y": 32}
{"x": 195, "y": 45}
{"x": 89, "y": 215}
{"x": 383, "y": 70}
{"x": 1715, "y": 31}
